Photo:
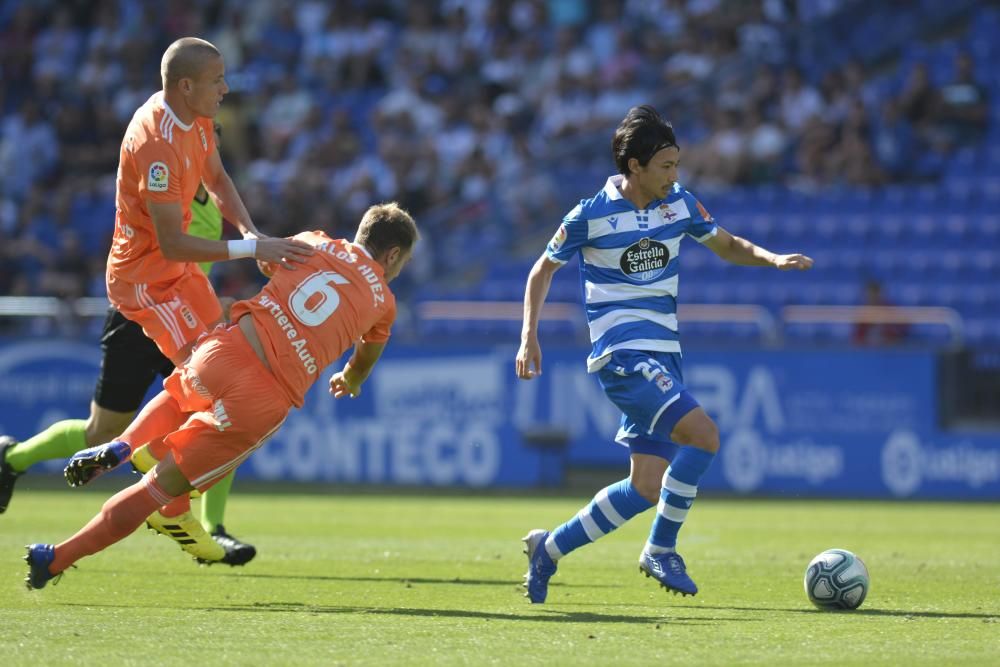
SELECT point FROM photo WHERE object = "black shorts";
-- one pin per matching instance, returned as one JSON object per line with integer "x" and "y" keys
{"x": 129, "y": 365}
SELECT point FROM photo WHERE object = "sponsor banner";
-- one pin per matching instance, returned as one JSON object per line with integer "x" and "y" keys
{"x": 45, "y": 381}
{"x": 792, "y": 423}
{"x": 431, "y": 420}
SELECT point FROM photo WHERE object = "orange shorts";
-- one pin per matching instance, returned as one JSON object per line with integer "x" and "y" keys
{"x": 236, "y": 405}
{"x": 172, "y": 314}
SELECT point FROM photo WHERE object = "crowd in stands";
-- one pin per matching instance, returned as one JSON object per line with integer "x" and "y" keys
{"x": 473, "y": 114}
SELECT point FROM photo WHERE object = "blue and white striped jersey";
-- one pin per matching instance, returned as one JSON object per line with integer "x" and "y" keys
{"x": 629, "y": 265}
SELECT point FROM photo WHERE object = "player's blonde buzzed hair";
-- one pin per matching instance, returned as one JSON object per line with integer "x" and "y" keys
{"x": 386, "y": 226}
{"x": 185, "y": 58}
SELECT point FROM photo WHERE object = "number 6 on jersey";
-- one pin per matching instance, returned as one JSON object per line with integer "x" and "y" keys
{"x": 315, "y": 298}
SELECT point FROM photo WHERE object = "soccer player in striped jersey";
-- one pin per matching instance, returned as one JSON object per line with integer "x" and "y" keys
{"x": 628, "y": 237}
{"x": 240, "y": 382}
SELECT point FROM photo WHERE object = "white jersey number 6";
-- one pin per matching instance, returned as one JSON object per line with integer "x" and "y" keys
{"x": 316, "y": 298}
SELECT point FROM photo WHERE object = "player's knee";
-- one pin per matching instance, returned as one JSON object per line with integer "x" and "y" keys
{"x": 707, "y": 437}
{"x": 697, "y": 430}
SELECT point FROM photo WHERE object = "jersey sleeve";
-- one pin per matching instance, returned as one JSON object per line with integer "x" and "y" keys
{"x": 701, "y": 224}
{"x": 159, "y": 172}
{"x": 382, "y": 329}
{"x": 569, "y": 238}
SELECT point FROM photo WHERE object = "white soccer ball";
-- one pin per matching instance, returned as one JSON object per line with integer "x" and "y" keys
{"x": 837, "y": 579}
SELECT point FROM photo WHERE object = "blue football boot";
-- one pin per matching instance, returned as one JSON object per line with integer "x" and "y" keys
{"x": 88, "y": 464}
{"x": 541, "y": 567}
{"x": 39, "y": 557}
{"x": 669, "y": 570}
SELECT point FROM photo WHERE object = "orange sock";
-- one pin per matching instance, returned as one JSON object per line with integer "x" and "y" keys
{"x": 121, "y": 515}
{"x": 161, "y": 416}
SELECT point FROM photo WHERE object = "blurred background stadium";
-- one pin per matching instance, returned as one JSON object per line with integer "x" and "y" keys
{"x": 865, "y": 134}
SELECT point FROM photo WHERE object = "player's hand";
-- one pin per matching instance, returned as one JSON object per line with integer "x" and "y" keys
{"x": 282, "y": 252}
{"x": 794, "y": 261}
{"x": 340, "y": 386}
{"x": 528, "y": 362}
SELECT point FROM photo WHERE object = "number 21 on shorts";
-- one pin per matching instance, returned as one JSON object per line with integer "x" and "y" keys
{"x": 654, "y": 371}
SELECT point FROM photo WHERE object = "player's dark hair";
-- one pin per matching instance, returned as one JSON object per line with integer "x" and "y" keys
{"x": 640, "y": 135}
{"x": 386, "y": 226}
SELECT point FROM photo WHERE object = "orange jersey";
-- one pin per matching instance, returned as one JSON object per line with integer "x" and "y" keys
{"x": 162, "y": 160}
{"x": 307, "y": 318}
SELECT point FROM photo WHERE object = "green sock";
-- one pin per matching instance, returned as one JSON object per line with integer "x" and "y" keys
{"x": 59, "y": 441}
{"x": 213, "y": 502}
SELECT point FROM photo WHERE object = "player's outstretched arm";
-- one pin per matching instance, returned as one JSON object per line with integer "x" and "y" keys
{"x": 738, "y": 250}
{"x": 348, "y": 381}
{"x": 179, "y": 246}
{"x": 528, "y": 362}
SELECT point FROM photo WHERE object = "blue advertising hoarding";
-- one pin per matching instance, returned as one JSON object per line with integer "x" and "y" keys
{"x": 797, "y": 423}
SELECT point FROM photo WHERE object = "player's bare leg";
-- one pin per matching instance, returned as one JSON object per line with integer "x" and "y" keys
{"x": 118, "y": 518}
{"x": 179, "y": 524}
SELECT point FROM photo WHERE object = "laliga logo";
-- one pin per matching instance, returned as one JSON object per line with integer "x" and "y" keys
{"x": 559, "y": 238}
{"x": 159, "y": 177}
{"x": 744, "y": 460}
{"x": 901, "y": 470}
{"x": 907, "y": 463}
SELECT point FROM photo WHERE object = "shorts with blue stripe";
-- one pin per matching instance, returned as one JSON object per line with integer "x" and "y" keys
{"x": 648, "y": 388}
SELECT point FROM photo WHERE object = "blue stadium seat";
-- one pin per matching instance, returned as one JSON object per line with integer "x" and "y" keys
{"x": 845, "y": 295}
{"x": 985, "y": 263}
{"x": 982, "y": 331}
{"x": 859, "y": 228}
{"x": 956, "y": 231}
{"x": 889, "y": 229}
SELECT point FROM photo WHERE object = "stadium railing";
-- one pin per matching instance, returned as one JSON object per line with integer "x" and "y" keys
{"x": 50, "y": 306}
{"x": 878, "y": 315}
{"x": 572, "y": 313}
{"x": 770, "y": 328}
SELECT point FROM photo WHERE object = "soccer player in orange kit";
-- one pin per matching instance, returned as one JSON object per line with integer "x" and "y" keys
{"x": 240, "y": 382}
{"x": 152, "y": 275}
{"x": 168, "y": 150}
{"x": 130, "y": 362}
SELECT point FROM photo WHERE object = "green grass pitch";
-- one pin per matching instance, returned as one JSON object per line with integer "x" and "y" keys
{"x": 427, "y": 580}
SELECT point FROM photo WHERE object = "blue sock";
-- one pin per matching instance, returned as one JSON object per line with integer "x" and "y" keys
{"x": 609, "y": 509}
{"x": 679, "y": 490}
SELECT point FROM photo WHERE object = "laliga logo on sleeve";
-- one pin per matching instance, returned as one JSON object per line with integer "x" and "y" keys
{"x": 159, "y": 177}
{"x": 560, "y": 237}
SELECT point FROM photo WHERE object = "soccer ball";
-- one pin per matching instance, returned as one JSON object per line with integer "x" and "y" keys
{"x": 836, "y": 579}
